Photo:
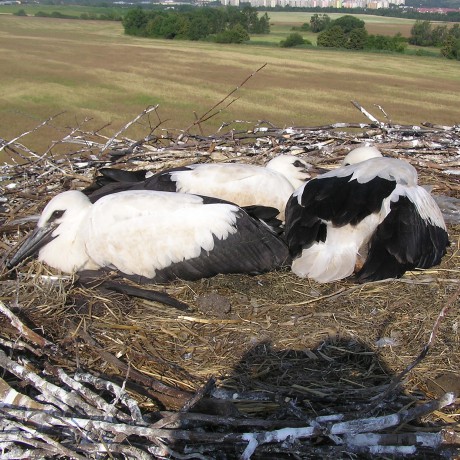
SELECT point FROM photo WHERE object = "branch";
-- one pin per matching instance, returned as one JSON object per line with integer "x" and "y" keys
{"x": 25, "y": 331}
{"x": 206, "y": 115}
{"x": 367, "y": 114}
{"x": 12, "y": 141}
{"x": 124, "y": 128}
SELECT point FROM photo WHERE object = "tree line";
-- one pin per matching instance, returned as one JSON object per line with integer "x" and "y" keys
{"x": 349, "y": 32}
{"x": 423, "y": 33}
{"x": 109, "y": 16}
{"x": 223, "y": 25}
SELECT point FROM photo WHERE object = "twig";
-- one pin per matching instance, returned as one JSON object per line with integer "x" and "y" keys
{"x": 367, "y": 114}
{"x": 25, "y": 331}
{"x": 12, "y": 141}
{"x": 348, "y": 428}
{"x": 117, "y": 391}
{"x": 164, "y": 393}
{"x": 201, "y": 393}
{"x": 125, "y": 127}
{"x": 205, "y": 116}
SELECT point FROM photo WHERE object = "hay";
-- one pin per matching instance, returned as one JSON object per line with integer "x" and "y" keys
{"x": 268, "y": 366}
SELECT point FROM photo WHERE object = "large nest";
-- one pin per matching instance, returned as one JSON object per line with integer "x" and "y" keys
{"x": 268, "y": 366}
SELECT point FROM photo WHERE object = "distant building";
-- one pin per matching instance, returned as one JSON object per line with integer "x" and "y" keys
{"x": 372, "y": 4}
{"x": 438, "y": 10}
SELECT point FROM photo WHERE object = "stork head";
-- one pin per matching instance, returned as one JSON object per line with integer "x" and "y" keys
{"x": 296, "y": 170}
{"x": 57, "y": 237}
{"x": 361, "y": 154}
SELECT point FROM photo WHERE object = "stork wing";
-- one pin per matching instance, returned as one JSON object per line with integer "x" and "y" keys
{"x": 161, "y": 236}
{"x": 406, "y": 239}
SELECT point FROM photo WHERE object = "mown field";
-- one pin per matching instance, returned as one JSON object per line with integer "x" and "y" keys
{"x": 96, "y": 75}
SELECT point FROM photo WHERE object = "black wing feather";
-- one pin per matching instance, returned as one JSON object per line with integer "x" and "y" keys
{"x": 302, "y": 228}
{"x": 121, "y": 175}
{"x": 160, "y": 181}
{"x": 343, "y": 201}
{"x": 403, "y": 241}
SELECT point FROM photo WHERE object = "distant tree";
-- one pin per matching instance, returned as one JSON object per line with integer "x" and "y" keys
{"x": 20, "y": 13}
{"x": 155, "y": 25}
{"x": 294, "y": 39}
{"x": 135, "y": 22}
{"x": 420, "y": 33}
{"x": 305, "y": 27}
{"x": 438, "y": 35}
{"x": 319, "y": 23}
{"x": 225, "y": 24}
{"x": 454, "y": 31}
{"x": 236, "y": 34}
{"x": 451, "y": 48}
{"x": 333, "y": 37}
{"x": 249, "y": 19}
{"x": 383, "y": 42}
{"x": 198, "y": 29}
{"x": 263, "y": 26}
{"x": 451, "y": 45}
{"x": 348, "y": 23}
{"x": 356, "y": 39}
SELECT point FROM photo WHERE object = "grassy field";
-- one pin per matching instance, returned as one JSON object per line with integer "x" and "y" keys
{"x": 91, "y": 70}
{"x": 69, "y": 10}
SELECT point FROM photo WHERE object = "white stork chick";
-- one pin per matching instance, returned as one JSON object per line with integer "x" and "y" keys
{"x": 152, "y": 236}
{"x": 242, "y": 184}
{"x": 370, "y": 215}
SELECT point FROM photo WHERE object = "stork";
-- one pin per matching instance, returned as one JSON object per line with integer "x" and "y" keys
{"x": 368, "y": 216}
{"x": 242, "y": 184}
{"x": 152, "y": 236}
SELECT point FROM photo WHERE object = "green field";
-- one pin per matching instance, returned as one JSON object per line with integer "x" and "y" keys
{"x": 93, "y": 72}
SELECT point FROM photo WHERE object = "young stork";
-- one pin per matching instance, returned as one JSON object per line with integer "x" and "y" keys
{"x": 369, "y": 216}
{"x": 152, "y": 236}
{"x": 238, "y": 183}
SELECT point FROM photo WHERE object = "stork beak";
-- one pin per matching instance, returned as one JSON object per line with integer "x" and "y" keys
{"x": 38, "y": 238}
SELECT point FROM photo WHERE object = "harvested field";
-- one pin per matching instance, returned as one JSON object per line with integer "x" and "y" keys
{"x": 252, "y": 356}
{"x": 92, "y": 74}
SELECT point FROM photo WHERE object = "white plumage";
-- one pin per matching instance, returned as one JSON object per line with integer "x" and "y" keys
{"x": 238, "y": 183}
{"x": 152, "y": 235}
{"x": 369, "y": 216}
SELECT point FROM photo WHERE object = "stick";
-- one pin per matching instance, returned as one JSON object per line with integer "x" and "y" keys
{"x": 205, "y": 116}
{"x": 12, "y": 141}
{"x": 163, "y": 392}
{"x": 27, "y": 332}
{"x": 124, "y": 128}
{"x": 117, "y": 391}
{"x": 367, "y": 114}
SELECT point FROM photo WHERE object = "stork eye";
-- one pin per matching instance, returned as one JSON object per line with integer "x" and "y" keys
{"x": 56, "y": 214}
{"x": 298, "y": 164}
